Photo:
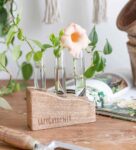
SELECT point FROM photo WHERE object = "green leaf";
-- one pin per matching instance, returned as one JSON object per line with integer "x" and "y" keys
{"x": 98, "y": 61}
{"x": 57, "y": 52}
{"x": 14, "y": 86}
{"x": 61, "y": 33}
{"x": 101, "y": 65}
{"x": 5, "y": 91}
{"x": 17, "y": 53}
{"x": 107, "y": 48}
{"x": 10, "y": 87}
{"x": 2, "y": 3}
{"x": 27, "y": 70}
{"x": 3, "y": 61}
{"x": 3, "y": 16}
{"x": 43, "y": 47}
{"x": 93, "y": 37}
{"x": 4, "y": 104}
{"x": 10, "y": 35}
{"x": 1, "y": 29}
{"x": 17, "y": 87}
{"x": 96, "y": 58}
{"x": 52, "y": 37}
{"x": 4, "y": 28}
{"x": 46, "y": 46}
{"x": 17, "y": 20}
{"x": 54, "y": 40}
{"x": 38, "y": 43}
{"x": 38, "y": 56}
{"x": 29, "y": 56}
{"x": 20, "y": 35}
{"x": 89, "y": 73}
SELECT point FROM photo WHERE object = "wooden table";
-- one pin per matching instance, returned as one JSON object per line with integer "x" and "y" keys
{"x": 104, "y": 134}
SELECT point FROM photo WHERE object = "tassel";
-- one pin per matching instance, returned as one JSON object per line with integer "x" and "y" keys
{"x": 52, "y": 12}
{"x": 99, "y": 11}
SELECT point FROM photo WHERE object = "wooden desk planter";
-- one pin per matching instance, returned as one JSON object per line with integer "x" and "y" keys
{"x": 47, "y": 110}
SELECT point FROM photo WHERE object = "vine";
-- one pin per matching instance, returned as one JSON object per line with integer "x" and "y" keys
{"x": 26, "y": 68}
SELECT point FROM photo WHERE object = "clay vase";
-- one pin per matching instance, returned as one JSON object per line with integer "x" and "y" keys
{"x": 132, "y": 54}
{"x": 126, "y": 21}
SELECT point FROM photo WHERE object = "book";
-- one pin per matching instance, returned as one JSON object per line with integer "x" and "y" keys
{"x": 113, "y": 93}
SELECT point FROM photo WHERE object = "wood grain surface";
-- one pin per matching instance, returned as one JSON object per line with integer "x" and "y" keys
{"x": 105, "y": 134}
{"x": 48, "y": 110}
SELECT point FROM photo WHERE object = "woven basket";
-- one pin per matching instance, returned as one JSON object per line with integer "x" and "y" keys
{"x": 126, "y": 20}
{"x": 132, "y": 54}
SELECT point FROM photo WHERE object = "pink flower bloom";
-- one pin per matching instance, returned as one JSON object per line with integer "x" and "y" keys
{"x": 75, "y": 39}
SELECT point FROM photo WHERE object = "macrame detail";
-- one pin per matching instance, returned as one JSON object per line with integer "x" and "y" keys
{"x": 99, "y": 11}
{"x": 52, "y": 11}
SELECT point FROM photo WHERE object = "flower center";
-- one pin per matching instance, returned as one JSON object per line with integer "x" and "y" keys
{"x": 75, "y": 36}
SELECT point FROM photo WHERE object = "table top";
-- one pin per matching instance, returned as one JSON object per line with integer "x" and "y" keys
{"x": 105, "y": 134}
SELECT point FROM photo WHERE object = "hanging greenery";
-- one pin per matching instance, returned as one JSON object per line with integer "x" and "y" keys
{"x": 5, "y": 14}
{"x": 25, "y": 67}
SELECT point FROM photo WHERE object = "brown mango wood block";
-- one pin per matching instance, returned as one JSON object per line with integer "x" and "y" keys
{"x": 47, "y": 110}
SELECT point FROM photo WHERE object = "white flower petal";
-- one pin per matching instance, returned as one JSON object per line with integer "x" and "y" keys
{"x": 66, "y": 41}
{"x": 69, "y": 30}
{"x": 78, "y": 42}
{"x": 79, "y": 29}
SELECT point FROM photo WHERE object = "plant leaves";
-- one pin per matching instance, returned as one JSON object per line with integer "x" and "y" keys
{"x": 5, "y": 91}
{"x": 46, "y": 46}
{"x": 38, "y": 56}
{"x": 3, "y": 61}
{"x": 10, "y": 87}
{"x": 10, "y": 35}
{"x": 27, "y": 70}
{"x": 55, "y": 40}
{"x": 2, "y": 2}
{"x": 29, "y": 56}
{"x": 20, "y": 35}
{"x": 17, "y": 53}
{"x": 96, "y": 58}
{"x": 101, "y": 65}
{"x": 89, "y": 73}
{"x": 93, "y": 37}
{"x": 3, "y": 15}
{"x": 98, "y": 61}
{"x": 107, "y": 48}
{"x": 57, "y": 52}
{"x": 43, "y": 47}
{"x": 17, "y": 87}
{"x": 61, "y": 33}
{"x": 4, "y": 104}
{"x": 4, "y": 28}
{"x": 17, "y": 21}
{"x": 38, "y": 43}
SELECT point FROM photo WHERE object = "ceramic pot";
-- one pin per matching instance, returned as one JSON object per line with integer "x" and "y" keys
{"x": 132, "y": 54}
{"x": 126, "y": 20}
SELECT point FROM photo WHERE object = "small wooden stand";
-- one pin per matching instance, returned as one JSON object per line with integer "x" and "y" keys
{"x": 47, "y": 110}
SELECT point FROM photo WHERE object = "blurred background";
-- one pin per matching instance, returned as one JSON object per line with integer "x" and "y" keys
{"x": 80, "y": 12}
